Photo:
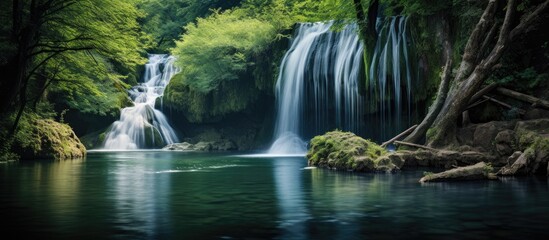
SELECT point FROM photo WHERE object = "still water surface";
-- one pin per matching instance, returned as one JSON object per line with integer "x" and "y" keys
{"x": 152, "y": 195}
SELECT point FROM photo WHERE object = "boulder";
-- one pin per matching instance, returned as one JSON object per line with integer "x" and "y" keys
{"x": 345, "y": 151}
{"x": 538, "y": 126}
{"x": 518, "y": 166}
{"x": 478, "y": 171}
{"x": 505, "y": 142}
{"x": 203, "y": 146}
{"x": 48, "y": 139}
{"x": 486, "y": 133}
{"x": 223, "y": 145}
{"x": 536, "y": 113}
{"x": 184, "y": 146}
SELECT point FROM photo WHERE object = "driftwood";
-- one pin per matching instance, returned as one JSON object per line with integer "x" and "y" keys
{"x": 415, "y": 145}
{"x": 523, "y": 97}
{"x": 402, "y": 134}
{"x": 520, "y": 111}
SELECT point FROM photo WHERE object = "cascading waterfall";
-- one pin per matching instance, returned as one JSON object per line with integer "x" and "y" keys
{"x": 318, "y": 85}
{"x": 143, "y": 126}
{"x": 328, "y": 64}
{"x": 390, "y": 71}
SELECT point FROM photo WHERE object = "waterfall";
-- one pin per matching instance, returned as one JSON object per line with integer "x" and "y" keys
{"x": 390, "y": 71}
{"x": 318, "y": 84}
{"x": 326, "y": 64}
{"x": 143, "y": 126}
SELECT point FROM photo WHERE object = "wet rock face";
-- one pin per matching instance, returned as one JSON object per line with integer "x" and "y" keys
{"x": 477, "y": 171}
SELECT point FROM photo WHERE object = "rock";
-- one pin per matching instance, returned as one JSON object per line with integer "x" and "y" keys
{"x": 473, "y": 172}
{"x": 513, "y": 157}
{"x": 443, "y": 158}
{"x": 184, "y": 146}
{"x": 536, "y": 113}
{"x": 49, "y": 139}
{"x": 466, "y": 134}
{"x": 224, "y": 145}
{"x": 518, "y": 167}
{"x": 486, "y": 133}
{"x": 533, "y": 138}
{"x": 203, "y": 146}
{"x": 539, "y": 126}
{"x": 505, "y": 142}
{"x": 346, "y": 151}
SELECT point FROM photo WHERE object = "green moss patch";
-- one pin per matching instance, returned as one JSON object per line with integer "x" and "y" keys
{"x": 346, "y": 151}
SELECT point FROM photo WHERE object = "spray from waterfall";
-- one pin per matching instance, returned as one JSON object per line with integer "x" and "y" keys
{"x": 143, "y": 126}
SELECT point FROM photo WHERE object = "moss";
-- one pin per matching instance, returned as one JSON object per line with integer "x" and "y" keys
{"x": 47, "y": 139}
{"x": 345, "y": 150}
{"x": 431, "y": 132}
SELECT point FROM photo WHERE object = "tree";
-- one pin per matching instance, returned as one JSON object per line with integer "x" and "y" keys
{"x": 482, "y": 52}
{"x": 165, "y": 19}
{"x": 48, "y": 38}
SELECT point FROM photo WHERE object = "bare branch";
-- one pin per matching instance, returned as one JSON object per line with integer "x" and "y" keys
{"x": 469, "y": 58}
{"x": 527, "y": 22}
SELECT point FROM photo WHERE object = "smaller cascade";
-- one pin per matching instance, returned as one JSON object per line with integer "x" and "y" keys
{"x": 143, "y": 126}
{"x": 390, "y": 72}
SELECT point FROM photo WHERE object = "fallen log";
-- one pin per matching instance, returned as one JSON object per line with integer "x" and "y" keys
{"x": 523, "y": 97}
{"x": 520, "y": 111}
{"x": 415, "y": 145}
{"x": 402, "y": 134}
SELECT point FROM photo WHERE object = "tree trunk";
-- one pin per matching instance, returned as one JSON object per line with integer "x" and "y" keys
{"x": 443, "y": 131}
{"x": 421, "y": 130}
{"x": 474, "y": 69}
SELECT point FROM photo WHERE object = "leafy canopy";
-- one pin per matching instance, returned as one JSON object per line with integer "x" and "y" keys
{"x": 221, "y": 46}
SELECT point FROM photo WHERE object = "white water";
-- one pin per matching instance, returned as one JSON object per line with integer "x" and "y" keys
{"x": 328, "y": 64}
{"x": 143, "y": 126}
{"x": 318, "y": 84}
{"x": 391, "y": 68}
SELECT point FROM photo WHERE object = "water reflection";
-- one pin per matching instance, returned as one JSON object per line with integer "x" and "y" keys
{"x": 163, "y": 195}
{"x": 140, "y": 195}
{"x": 293, "y": 213}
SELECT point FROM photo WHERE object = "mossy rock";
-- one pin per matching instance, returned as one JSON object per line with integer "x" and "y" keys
{"x": 346, "y": 151}
{"x": 47, "y": 139}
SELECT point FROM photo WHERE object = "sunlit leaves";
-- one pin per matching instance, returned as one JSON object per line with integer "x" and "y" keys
{"x": 219, "y": 47}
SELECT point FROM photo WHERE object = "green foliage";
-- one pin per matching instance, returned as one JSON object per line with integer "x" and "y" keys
{"x": 487, "y": 169}
{"x": 524, "y": 80}
{"x": 164, "y": 19}
{"x": 220, "y": 47}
